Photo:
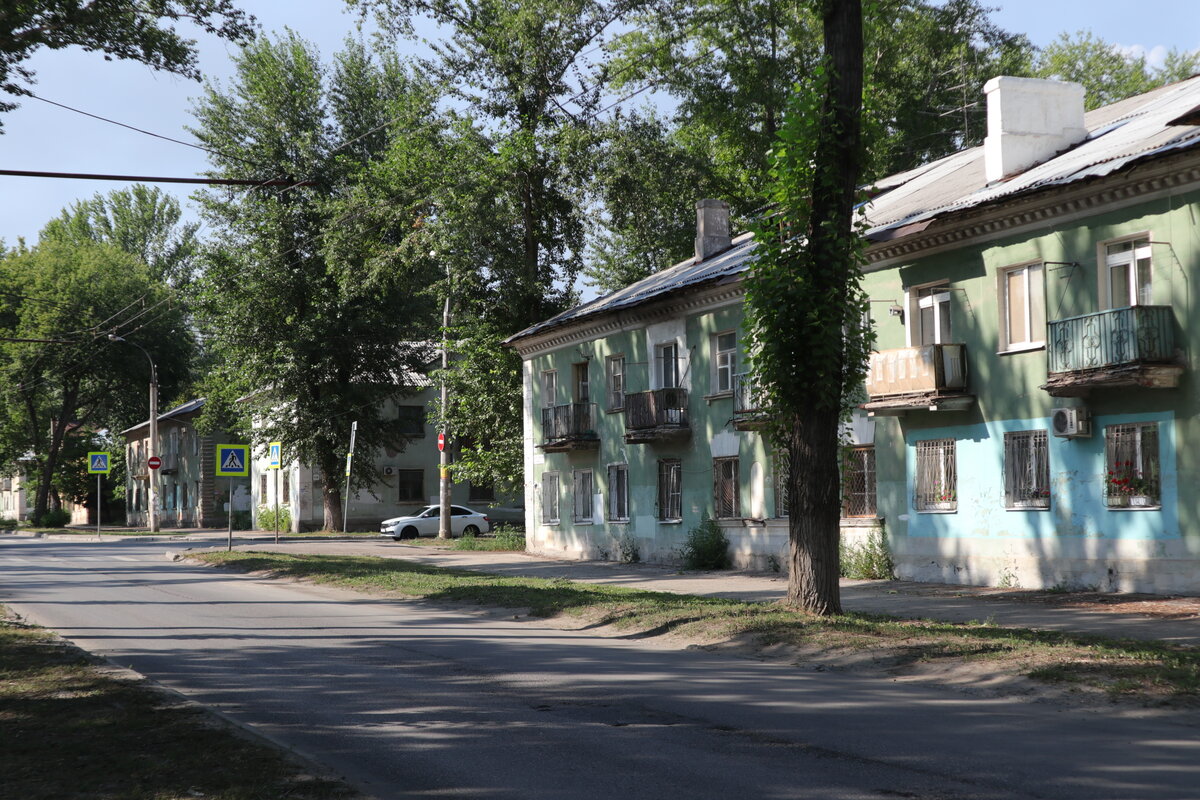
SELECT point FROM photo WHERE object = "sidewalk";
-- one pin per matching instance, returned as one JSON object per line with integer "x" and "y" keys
{"x": 1171, "y": 620}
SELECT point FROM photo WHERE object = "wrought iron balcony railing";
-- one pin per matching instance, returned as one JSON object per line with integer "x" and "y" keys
{"x": 655, "y": 414}
{"x": 569, "y": 426}
{"x": 1119, "y": 336}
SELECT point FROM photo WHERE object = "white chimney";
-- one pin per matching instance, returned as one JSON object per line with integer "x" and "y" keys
{"x": 712, "y": 228}
{"x": 1029, "y": 120}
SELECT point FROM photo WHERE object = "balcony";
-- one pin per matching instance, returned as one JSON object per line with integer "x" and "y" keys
{"x": 930, "y": 377}
{"x": 569, "y": 427}
{"x": 661, "y": 414}
{"x": 1121, "y": 347}
{"x": 748, "y": 412}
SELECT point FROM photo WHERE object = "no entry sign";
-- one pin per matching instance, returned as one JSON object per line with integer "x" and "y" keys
{"x": 153, "y": 462}
{"x": 441, "y": 442}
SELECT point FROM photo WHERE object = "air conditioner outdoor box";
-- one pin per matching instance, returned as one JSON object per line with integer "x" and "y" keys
{"x": 1071, "y": 423}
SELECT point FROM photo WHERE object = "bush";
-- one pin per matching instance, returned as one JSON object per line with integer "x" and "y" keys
{"x": 8, "y": 523}
{"x": 627, "y": 547}
{"x": 509, "y": 537}
{"x": 706, "y": 546}
{"x": 54, "y": 518}
{"x": 870, "y": 560}
{"x": 266, "y": 518}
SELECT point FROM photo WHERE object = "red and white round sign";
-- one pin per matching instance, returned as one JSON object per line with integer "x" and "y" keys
{"x": 441, "y": 442}
{"x": 153, "y": 462}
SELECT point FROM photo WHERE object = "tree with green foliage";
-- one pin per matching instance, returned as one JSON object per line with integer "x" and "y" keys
{"x": 142, "y": 220}
{"x": 1108, "y": 72}
{"x": 804, "y": 302}
{"x": 315, "y": 315}
{"x": 125, "y": 29}
{"x": 63, "y": 380}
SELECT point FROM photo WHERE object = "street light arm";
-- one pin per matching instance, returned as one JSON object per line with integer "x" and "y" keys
{"x": 112, "y": 337}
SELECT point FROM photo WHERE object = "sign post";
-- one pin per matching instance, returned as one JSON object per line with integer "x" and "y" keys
{"x": 349, "y": 459}
{"x": 274, "y": 461}
{"x": 233, "y": 460}
{"x": 99, "y": 464}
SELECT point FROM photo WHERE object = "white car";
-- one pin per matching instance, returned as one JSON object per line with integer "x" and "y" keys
{"x": 427, "y": 521}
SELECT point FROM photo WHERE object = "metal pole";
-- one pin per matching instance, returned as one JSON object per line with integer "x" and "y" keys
{"x": 277, "y": 506}
{"x": 152, "y": 511}
{"x": 229, "y": 514}
{"x": 97, "y": 505}
{"x": 444, "y": 530}
{"x": 349, "y": 460}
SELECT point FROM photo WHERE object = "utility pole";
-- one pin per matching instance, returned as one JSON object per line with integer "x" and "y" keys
{"x": 444, "y": 531}
{"x": 152, "y": 510}
{"x": 349, "y": 461}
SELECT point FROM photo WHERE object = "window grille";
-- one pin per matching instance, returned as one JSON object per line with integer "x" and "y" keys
{"x": 412, "y": 420}
{"x": 616, "y": 382}
{"x": 262, "y": 488}
{"x": 410, "y": 485}
{"x": 937, "y": 478}
{"x": 583, "y": 495}
{"x": 858, "y": 482}
{"x": 1026, "y": 470}
{"x": 618, "y": 492}
{"x": 783, "y": 471}
{"x": 287, "y": 489}
{"x": 1132, "y": 470}
{"x": 670, "y": 489}
{"x": 725, "y": 488}
{"x": 550, "y": 497}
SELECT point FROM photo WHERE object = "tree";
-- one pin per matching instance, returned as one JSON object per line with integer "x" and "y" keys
{"x": 316, "y": 316}
{"x": 143, "y": 221}
{"x": 804, "y": 303}
{"x": 1108, "y": 72}
{"x": 63, "y": 380}
{"x": 118, "y": 28}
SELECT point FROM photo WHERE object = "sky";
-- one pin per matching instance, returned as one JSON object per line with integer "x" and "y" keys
{"x": 38, "y": 136}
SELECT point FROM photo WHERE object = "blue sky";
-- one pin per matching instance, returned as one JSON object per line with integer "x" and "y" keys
{"x": 41, "y": 137}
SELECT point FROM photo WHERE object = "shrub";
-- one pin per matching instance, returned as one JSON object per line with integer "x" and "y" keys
{"x": 266, "y": 518}
{"x": 8, "y": 523}
{"x": 871, "y": 560}
{"x": 509, "y": 538}
{"x": 627, "y": 547}
{"x": 706, "y": 546}
{"x": 54, "y": 518}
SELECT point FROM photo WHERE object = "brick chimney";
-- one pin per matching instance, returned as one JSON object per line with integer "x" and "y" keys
{"x": 1029, "y": 120}
{"x": 712, "y": 228}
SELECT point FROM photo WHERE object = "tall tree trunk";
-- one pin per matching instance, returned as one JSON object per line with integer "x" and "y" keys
{"x": 331, "y": 500}
{"x": 814, "y": 479}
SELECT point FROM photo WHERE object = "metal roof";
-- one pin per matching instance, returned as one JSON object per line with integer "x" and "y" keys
{"x": 1119, "y": 134}
{"x": 177, "y": 411}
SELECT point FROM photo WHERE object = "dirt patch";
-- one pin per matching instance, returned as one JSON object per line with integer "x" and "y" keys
{"x": 1151, "y": 606}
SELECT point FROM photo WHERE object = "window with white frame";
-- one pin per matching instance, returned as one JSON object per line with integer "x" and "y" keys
{"x": 616, "y": 382}
{"x": 858, "y": 482}
{"x": 1133, "y": 475}
{"x": 725, "y": 488}
{"x": 725, "y": 361}
{"x": 583, "y": 387}
{"x": 549, "y": 388}
{"x": 618, "y": 492}
{"x": 583, "y": 495}
{"x": 932, "y": 315}
{"x": 1023, "y": 307}
{"x": 670, "y": 490}
{"x": 667, "y": 365}
{"x": 936, "y": 484}
{"x": 550, "y": 497}
{"x": 1127, "y": 273}
{"x": 1026, "y": 470}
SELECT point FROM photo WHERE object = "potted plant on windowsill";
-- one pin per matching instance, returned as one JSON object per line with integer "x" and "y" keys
{"x": 941, "y": 498}
{"x": 1126, "y": 487}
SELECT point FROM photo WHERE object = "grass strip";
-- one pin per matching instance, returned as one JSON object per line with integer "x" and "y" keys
{"x": 73, "y": 730}
{"x": 1146, "y": 671}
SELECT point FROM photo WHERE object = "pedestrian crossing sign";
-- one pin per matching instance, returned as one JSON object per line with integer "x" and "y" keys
{"x": 233, "y": 460}
{"x": 99, "y": 464}
{"x": 274, "y": 459}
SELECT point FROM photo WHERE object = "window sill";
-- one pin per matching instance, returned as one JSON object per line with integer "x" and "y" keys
{"x": 708, "y": 398}
{"x": 620, "y": 410}
{"x": 624, "y": 521}
{"x": 1022, "y": 348}
{"x": 860, "y": 522}
{"x": 936, "y": 510}
{"x": 1027, "y": 508}
{"x": 670, "y": 522}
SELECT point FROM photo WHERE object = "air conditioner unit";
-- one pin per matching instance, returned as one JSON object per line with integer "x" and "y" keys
{"x": 389, "y": 471}
{"x": 1071, "y": 423}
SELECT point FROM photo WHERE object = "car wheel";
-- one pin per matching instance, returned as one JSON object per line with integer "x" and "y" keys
{"x": 408, "y": 533}
{"x": 395, "y": 538}
{"x": 470, "y": 530}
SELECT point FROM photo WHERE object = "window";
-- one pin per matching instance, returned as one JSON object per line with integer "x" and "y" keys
{"x": 618, "y": 493}
{"x": 725, "y": 488}
{"x": 183, "y": 495}
{"x": 937, "y": 479}
{"x": 583, "y": 390}
{"x": 725, "y": 347}
{"x": 616, "y": 382}
{"x": 1026, "y": 470}
{"x": 933, "y": 315}
{"x": 583, "y": 495}
{"x": 670, "y": 490}
{"x": 412, "y": 420}
{"x": 287, "y": 489}
{"x": 1132, "y": 476}
{"x": 782, "y": 472}
{"x": 858, "y": 482}
{"x": 481, "y": 492}
{"x": 1127, "y": 271}
{"x": 410, "y": 485}
{"x": 262, "y": 488}
{"x": 550, "y": 497}
{"x": 1023, "y": 306}
{"x": 549, "y": 388}
{"x": 667, "y": 365}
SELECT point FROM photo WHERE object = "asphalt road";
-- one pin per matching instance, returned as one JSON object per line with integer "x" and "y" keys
{"x": 408, "y": 700}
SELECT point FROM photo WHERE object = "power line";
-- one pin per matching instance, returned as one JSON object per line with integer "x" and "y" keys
{"x": 271, "y": 182}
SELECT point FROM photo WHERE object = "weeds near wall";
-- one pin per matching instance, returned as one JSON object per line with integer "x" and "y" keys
{"x": 871, "y": 560}
{"x": 627, "y": 549}
{"x": 706, "y": 546}
{"x": 266, "y": 518}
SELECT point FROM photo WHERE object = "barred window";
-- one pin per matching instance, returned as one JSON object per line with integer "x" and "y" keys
{"x": 1132, "y": 472}
{"x": 583, "y": 495}
{"x": 1026, "y": 470}
{"x": 783, "y": 471}
{"x": 858, "y": 482}
{"x": 670, "y": 489}
{"x": 550, "y": 497}
{"x": 725, "y": 488}
{"x": 410, "y": 485}
{"x": 412, "y": 420}
{"x": 618, "y": 492}
{"x": 936, "y": 486}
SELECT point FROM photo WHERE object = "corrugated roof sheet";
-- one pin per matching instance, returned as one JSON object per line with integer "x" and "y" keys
{"x": 179, "y": 410}
{"x": 1118, "y": 135}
